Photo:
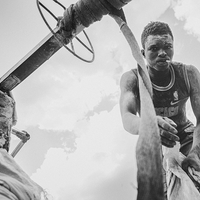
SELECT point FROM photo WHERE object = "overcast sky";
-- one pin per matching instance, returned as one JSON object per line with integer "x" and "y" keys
{"x": 78, "y": 148}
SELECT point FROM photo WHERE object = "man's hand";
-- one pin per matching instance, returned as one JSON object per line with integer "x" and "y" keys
{"x": 192, "y": 160}
{"x": 167, "y": 131}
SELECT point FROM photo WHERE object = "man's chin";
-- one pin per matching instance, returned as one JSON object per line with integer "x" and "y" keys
{"x": 162, "y": 64}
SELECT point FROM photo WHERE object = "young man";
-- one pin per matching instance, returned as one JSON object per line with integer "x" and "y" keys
{"x": 173, "y": 84}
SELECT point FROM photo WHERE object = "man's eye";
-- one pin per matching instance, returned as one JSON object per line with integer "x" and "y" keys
{"x": 168, "y": 47}
{"x": 153, "y": 48}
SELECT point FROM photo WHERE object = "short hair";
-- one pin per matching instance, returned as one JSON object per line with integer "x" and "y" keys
{"x": 155, "y": 28}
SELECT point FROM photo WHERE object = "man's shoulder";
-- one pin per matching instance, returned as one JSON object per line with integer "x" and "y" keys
{"x": 191, "y": 74}
{"x": 129, "y": 78}
{"x": 178, "y": 65}
{"x": 186, "y": 69}
{"x": 130, "y": 75}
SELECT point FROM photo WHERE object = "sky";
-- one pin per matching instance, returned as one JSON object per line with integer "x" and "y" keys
{"x": 78, "y": 147}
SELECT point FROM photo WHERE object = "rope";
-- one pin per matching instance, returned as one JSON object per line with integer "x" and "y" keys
{"x": 89, "y": 11}
{"x": 85, "y": 12}
{"x": 118, "y": 3}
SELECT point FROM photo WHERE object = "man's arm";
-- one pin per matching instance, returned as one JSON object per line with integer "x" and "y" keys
{"x": 193, "y": 159}
{"x": 129, "y": 107}
{"x": 128, "y": 103}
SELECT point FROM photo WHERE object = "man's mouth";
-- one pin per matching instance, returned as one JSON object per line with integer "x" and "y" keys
{"x": 163, "y": 61}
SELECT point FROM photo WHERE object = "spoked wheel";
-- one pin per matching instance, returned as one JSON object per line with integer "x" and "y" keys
{"x": 72, "y": 49}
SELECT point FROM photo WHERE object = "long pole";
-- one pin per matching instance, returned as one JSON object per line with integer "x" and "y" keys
{"x": 76, "y": 18}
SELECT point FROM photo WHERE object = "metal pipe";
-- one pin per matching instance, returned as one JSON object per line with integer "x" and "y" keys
{"x": 23, "y": 136}
{"x": 17, "y": 149}
{"x": 75, "y": 19}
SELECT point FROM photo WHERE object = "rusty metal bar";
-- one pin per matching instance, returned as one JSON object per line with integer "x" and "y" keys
{"x": 29, "y": 63}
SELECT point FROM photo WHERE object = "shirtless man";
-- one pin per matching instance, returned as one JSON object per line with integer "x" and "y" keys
{"x": 173, "y": 84}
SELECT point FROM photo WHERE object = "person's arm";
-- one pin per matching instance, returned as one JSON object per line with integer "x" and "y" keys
{"x": 128, "y": 103}
{"x": 129, "y": 108}
{"x": 193, "y": 158}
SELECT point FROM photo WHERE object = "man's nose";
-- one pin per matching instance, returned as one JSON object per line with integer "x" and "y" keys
{"x": 162, "y": 53}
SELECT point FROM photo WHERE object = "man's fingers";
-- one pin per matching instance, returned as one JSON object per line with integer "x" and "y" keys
{"x": 168, "y": 127}
{"x": 169, "y": 136}
{"x": 171, "y": 122}
{"x": 167, "y": 143}
{"x": 167, "y": 124}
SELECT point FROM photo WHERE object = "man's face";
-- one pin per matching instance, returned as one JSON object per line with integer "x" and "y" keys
{"x": 158, "y": 51}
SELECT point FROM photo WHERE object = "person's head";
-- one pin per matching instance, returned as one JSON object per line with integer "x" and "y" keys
{"x": 155, "y": 28}
{"x": 157, "y": 42}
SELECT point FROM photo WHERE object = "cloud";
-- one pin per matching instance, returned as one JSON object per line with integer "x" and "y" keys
{"x": 139, "y": 13}
{"x": 66, "y": 98}
{"x": 188, "y": 11}
{"x": 66, "y": 89}
{"x": 102, "y": 167}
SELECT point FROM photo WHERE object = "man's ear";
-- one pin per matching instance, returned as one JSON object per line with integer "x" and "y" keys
{"x": 143, "y": 53}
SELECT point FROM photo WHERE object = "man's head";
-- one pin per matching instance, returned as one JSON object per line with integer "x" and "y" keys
{"x": 155, "y": 28}
{"x": 157, "y": 42}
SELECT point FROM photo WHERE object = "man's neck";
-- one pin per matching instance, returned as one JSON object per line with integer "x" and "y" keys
{"x": 160, "y": 78}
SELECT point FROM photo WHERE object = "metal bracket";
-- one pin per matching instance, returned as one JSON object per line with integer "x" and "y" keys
{"x": 23, "y": 136}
